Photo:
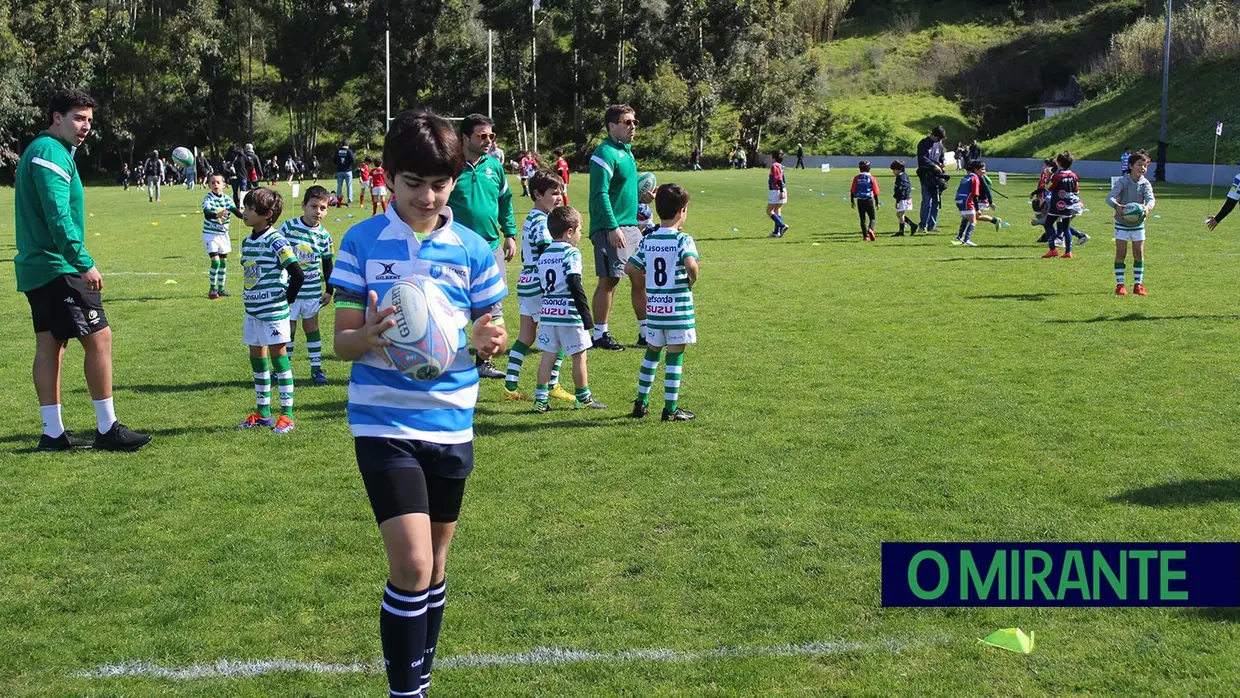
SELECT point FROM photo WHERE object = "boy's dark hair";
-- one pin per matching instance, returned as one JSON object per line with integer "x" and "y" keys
{"x": 1064, "y": 160}
{"x": 267, "y": 203}
{"x": 366, "y": 160}
{"x": 421, "y": 143}
{"x": 897, "y": 165}
{"x": 864, "y": 166}
{"x": 542, "y": 180}
{"x": 976, "y": 165}
{"x": 65, "y": 101}
{"x": 778, "y": 156}
{"x": 469, "y": 123}
{"x": 939, "y": 132}
{"x": 616, "y": 112}
{"x": 1049, "y": 162}
{"x": 378, "y": 162}
{"x": 559, "y": 152}
{"x": 670, "y": 199}
{"x": 316, "y": 193}
{"x": 1138, "y": 157}
{"x": 561, "y": 220}
{"x": 1127, "y": 147}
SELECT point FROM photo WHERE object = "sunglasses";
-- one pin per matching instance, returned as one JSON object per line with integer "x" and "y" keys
{"x": 630, "y": 122}
{"x": 485, "y": 136}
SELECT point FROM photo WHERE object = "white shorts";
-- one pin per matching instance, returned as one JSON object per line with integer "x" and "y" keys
{"x": 530, "y": 307}
{"x": 967, "y": 213}
{"x": 264, "y": 333}
{"x": 302, "y": 309}
{"x": 664, "y": 338}
{"x": 776, "y": 196}
{"x": 904, "y": 205}
{"x": 379, "y": 191}
{"x": 217, "y": 243}
{"x": 1130, "y": 235}
{"x": 571, "y": 339}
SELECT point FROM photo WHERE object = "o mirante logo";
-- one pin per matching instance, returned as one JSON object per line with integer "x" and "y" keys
{"x": 1061, "y": 574}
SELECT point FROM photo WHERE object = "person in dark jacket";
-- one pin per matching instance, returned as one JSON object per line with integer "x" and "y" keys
{"x": 904, "y": 198}
{"x": 930, "y": 160}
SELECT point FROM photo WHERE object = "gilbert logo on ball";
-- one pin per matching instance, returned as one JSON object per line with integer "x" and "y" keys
{"x": 425, "y": 337}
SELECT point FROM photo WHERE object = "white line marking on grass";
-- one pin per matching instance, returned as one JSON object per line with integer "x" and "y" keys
{"x": 542, "y": 656}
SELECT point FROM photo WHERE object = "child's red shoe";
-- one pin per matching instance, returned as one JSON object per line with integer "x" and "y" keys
{"x": 1052, "y": 253}
{"x": 1139, "y": 290}
{"x": 1120, "y": 290}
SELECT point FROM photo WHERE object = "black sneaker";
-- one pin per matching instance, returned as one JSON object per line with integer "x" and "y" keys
{"x": 224, "y": 294}
{"x": 899, "y": 234}
{"x": 639, "y": 409}
{"x": 641, "y": 341}
{"x": 486, "y": 369}
{"x": 65, "y": 442}
{"x": 678, "y": 416}
{"x": 121, "y": 438}
{"x": 608, "y": 342}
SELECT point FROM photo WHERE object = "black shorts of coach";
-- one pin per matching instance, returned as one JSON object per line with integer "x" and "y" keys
{"x": 414, "y": 477}
{"x": 65, "y": 308}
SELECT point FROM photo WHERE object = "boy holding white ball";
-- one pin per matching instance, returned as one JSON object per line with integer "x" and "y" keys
{"x": 414, "y": 438}
{"x": 564, "y": 323}
{"x": 1133, "y": 188}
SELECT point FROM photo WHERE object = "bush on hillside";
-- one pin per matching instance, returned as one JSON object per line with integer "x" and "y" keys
{"x": 1203, "y": 29}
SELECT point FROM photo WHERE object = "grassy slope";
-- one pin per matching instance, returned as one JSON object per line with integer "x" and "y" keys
{"x": 1101, "y": 127}
{"x": 847, "y": 394}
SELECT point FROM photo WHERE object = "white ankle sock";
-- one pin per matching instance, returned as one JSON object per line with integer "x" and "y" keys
{"x": 600, "y": 328}
{"x": 104, "y": 414}
{"x": 52, "y": 426}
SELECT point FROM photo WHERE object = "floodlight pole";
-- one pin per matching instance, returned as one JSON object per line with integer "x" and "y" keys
{"x": 490, "y": 76}
{"x": 1160, "y": 174}
{"x": 534, "y": 69}
{"x": 387, "y": 48}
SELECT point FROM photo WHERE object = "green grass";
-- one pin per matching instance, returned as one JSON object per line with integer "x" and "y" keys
{"x": 1100, "y": 128}
{"x": 847, "y": 394}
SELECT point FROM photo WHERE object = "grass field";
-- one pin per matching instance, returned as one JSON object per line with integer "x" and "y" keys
{"x": 847, "y": 393}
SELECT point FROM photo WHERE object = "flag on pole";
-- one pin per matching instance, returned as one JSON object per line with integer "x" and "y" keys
{"x": 1218, "y": 128}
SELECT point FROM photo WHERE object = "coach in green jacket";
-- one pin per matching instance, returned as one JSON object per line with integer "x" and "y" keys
{"x": 482, "y": 202}
{"x": 613, "y": 221}
{"x": 59, "y": 277}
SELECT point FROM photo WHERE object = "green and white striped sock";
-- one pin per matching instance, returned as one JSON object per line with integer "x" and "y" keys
{"x": 1138, "y": 272}
{"x": 214, "y": 273}
{"x": 555, "y": 369}
{"x": 671, "y": 380}
{"x": 314, "y": 348}
{"x": 541, "y": 393}
{"x": 583, "y": 395}
{"x": 284, "y": 381}
{"x": 516, "y": 357}
{"x": 221, "y": 273}
{"x": 1120, "y": 268}
{"x": 262, "y": 384}
{"x": 645, "y": 376}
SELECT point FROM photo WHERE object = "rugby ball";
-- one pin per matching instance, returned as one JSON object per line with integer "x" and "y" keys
{"x": 183, "y": 156}
{"x": 1131, "y": 214}
{"x": 646, "y": 183}
{"x": 425, "y": 337}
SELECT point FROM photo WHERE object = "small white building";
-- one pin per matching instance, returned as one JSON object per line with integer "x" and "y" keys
{"x": 1056, "y": 101}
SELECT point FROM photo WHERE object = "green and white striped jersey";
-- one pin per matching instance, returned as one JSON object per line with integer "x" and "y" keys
{"x": 669, "y": 302}
{"x": 555, "y": 264}
{"x": 263, "y": 260}
{"x": 310, "y": 245}
{"x": 214, "y": 203}
{"x": 535, "y": 238}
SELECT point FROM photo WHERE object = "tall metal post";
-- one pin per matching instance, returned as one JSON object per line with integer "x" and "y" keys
{"x": 1160, "y": 174}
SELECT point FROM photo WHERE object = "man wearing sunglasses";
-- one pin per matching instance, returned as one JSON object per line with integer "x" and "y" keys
{"x": 482, "y": 201}
{"x": 613, "y": 221}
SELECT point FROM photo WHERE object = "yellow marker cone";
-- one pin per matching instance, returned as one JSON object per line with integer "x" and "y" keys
{"x": 170, "y": 281}
{"x": 1010, "y": 639}
{"x": 154, "y": 222}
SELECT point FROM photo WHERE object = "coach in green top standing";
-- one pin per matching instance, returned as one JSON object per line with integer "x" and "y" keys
{"x": 482, "y": 202}
{"x": 613, "y": 220}
{"x": 60, "y": 279}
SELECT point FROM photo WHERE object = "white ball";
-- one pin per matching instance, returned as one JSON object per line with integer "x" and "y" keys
{"x": 183, "y": 156}
{"x": 425, "y": 337}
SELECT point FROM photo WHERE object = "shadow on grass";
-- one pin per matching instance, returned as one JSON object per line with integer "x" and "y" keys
{"x": 1217, "y": 615}
{"x": 184, "y": 387}
{"x": 31, "y": 440}
{"x": 1029, "y": 296}
{"x": 1184, "y": 493}
{"x": 981, "y": 259}
{"x": 539, "y": 421}
{"x": 145, "y": 299}
{"x": 1141, "y": 317}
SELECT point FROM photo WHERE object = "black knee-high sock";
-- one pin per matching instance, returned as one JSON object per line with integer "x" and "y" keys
{"x": 402, "y": 627}
{"x": 434, "y": 619}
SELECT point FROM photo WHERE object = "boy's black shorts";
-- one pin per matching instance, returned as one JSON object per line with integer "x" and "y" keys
{"x": 65, "y": 308}
{"x": 413, "y": 477}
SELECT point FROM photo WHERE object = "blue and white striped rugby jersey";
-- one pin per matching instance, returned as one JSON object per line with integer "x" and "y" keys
{"x": 374, "y": 254}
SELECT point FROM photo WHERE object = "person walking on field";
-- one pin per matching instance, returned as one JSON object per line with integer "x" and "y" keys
{"x": 800, "y": 157}
{"x": 613, "y": 221}
{"x": 60, "y": 279}
{"x": 930, "y": 161}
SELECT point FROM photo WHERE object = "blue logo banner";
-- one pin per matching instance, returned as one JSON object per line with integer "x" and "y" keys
{"x": 1061, "y": 574}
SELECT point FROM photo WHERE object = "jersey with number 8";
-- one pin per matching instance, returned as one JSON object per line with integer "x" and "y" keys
{"x": 669, "y": 301}
{"x": 556, "y": 263}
